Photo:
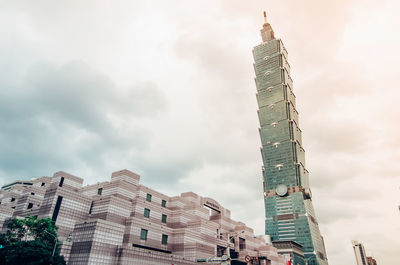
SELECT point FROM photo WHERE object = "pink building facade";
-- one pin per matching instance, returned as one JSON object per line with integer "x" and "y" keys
{"x": 123, "y": 222}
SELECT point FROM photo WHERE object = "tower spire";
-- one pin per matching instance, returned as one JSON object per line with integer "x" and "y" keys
{"x": 267, "y": 33}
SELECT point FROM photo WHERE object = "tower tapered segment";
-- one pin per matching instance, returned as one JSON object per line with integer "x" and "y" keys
{"x": 267, "y": 32}
{"x": 288, "y": 206}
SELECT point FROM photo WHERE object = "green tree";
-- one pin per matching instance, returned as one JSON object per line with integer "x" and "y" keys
{"x": 30, "y": 241}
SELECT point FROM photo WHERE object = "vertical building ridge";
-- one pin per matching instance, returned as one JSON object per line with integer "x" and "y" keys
{"x": 289, "y": 212}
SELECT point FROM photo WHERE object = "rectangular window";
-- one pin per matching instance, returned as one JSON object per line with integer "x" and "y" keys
{"x": 61, "y": 182}
{"x": 146, "y": 212}
{"x": 91, "y": 208}
{"x": 99, "y": 191}
{"x": 42, "y": 184}
{"x": 30, "y": 205}
{"x": 148, "y": 197}
{"x": 242, "y": 243}
{"x": 164, "y": 218}
{"x": 12, "y": 199}
{"x": 164, "y": 203}
{"x": 164, "y": 239}
{"x": 143, "y": 234}
{"x": 57, "y": 208}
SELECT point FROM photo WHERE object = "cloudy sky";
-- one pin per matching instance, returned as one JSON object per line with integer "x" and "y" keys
{"x": 166, "y": 89}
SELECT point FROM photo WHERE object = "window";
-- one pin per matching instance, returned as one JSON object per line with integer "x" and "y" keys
{"x": 143, "y": 234}
{"x": 91, "y": 208}
{"x": 43, "y": 184}
{"x": 242, "y": 243}
{"x": 148, "y": 197}
{"x": 99, "y": 191}
{"x": 164, "y": 203}
{"x": 164, "y": 239}
{"x": 57, "y": 208}
{"x": 61, "y": 182}
{"x": 12, "y": 199}
{"x": 30, "y": 205}
{"x": 32, "y": 193}
{"x": 220, "y": 251}
{"x": 164, "y": 218}
{"x": 146, "y": 212}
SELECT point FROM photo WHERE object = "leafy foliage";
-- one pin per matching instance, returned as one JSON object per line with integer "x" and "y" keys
{"x": 30, "y": 241}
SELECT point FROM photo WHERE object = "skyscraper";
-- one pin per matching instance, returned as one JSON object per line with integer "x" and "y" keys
{"x": 288, "y": 201}
{"x": 359, "y": 252}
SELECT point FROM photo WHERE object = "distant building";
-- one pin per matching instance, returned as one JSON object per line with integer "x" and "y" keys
{"x": 123, "y": 222}
{"x": 291, "y": 249}
{"x": 359, "y": 252}
{"x": 371, "y": 261}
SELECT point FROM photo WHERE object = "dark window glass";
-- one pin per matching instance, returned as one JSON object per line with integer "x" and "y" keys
{"x": 32, "y": 193}
{"x": 30, "y": 205}
{"x": 164, "y": 218}
{"x": 57, "y": 208}
{"x": 234, "y": 254}
{"x": 220, "y": 251}
{"x": 164, "y": 203}
{"x": 242, "y": 243}
{"x": 164, "y": 239}
{"x": 61, "y": 182}
{"x": 146, "y": 212}
{"x": 12, "y": 199}
{"x": 100, "y": 191}
{"x": 43, "y": 184}
{"x": 143, "y": 234}
{"x": 148, "y": 197}
{"x": 91, "y": 208}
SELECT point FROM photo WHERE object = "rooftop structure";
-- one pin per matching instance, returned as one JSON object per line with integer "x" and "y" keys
{"x": 18, "y": 182}
{"x": 123, "y": 222}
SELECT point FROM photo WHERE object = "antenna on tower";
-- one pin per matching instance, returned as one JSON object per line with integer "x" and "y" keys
{"x": 265, "y": 17}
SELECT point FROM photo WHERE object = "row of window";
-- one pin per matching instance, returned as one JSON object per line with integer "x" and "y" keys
{"x": 163, "y": 202}
{"x": 148, "y": 197}
{"x": 147, "y": 214}
{"x": 144, "y": 232}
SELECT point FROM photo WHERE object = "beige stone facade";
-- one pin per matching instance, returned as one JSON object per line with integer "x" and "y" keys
{"x": 123, "y": 222}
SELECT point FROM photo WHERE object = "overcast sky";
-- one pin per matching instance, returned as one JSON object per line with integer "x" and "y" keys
{"x": 166, "y": 89}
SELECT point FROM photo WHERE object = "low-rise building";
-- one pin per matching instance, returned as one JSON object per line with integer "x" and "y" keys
{"x": 123, "y": 222}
